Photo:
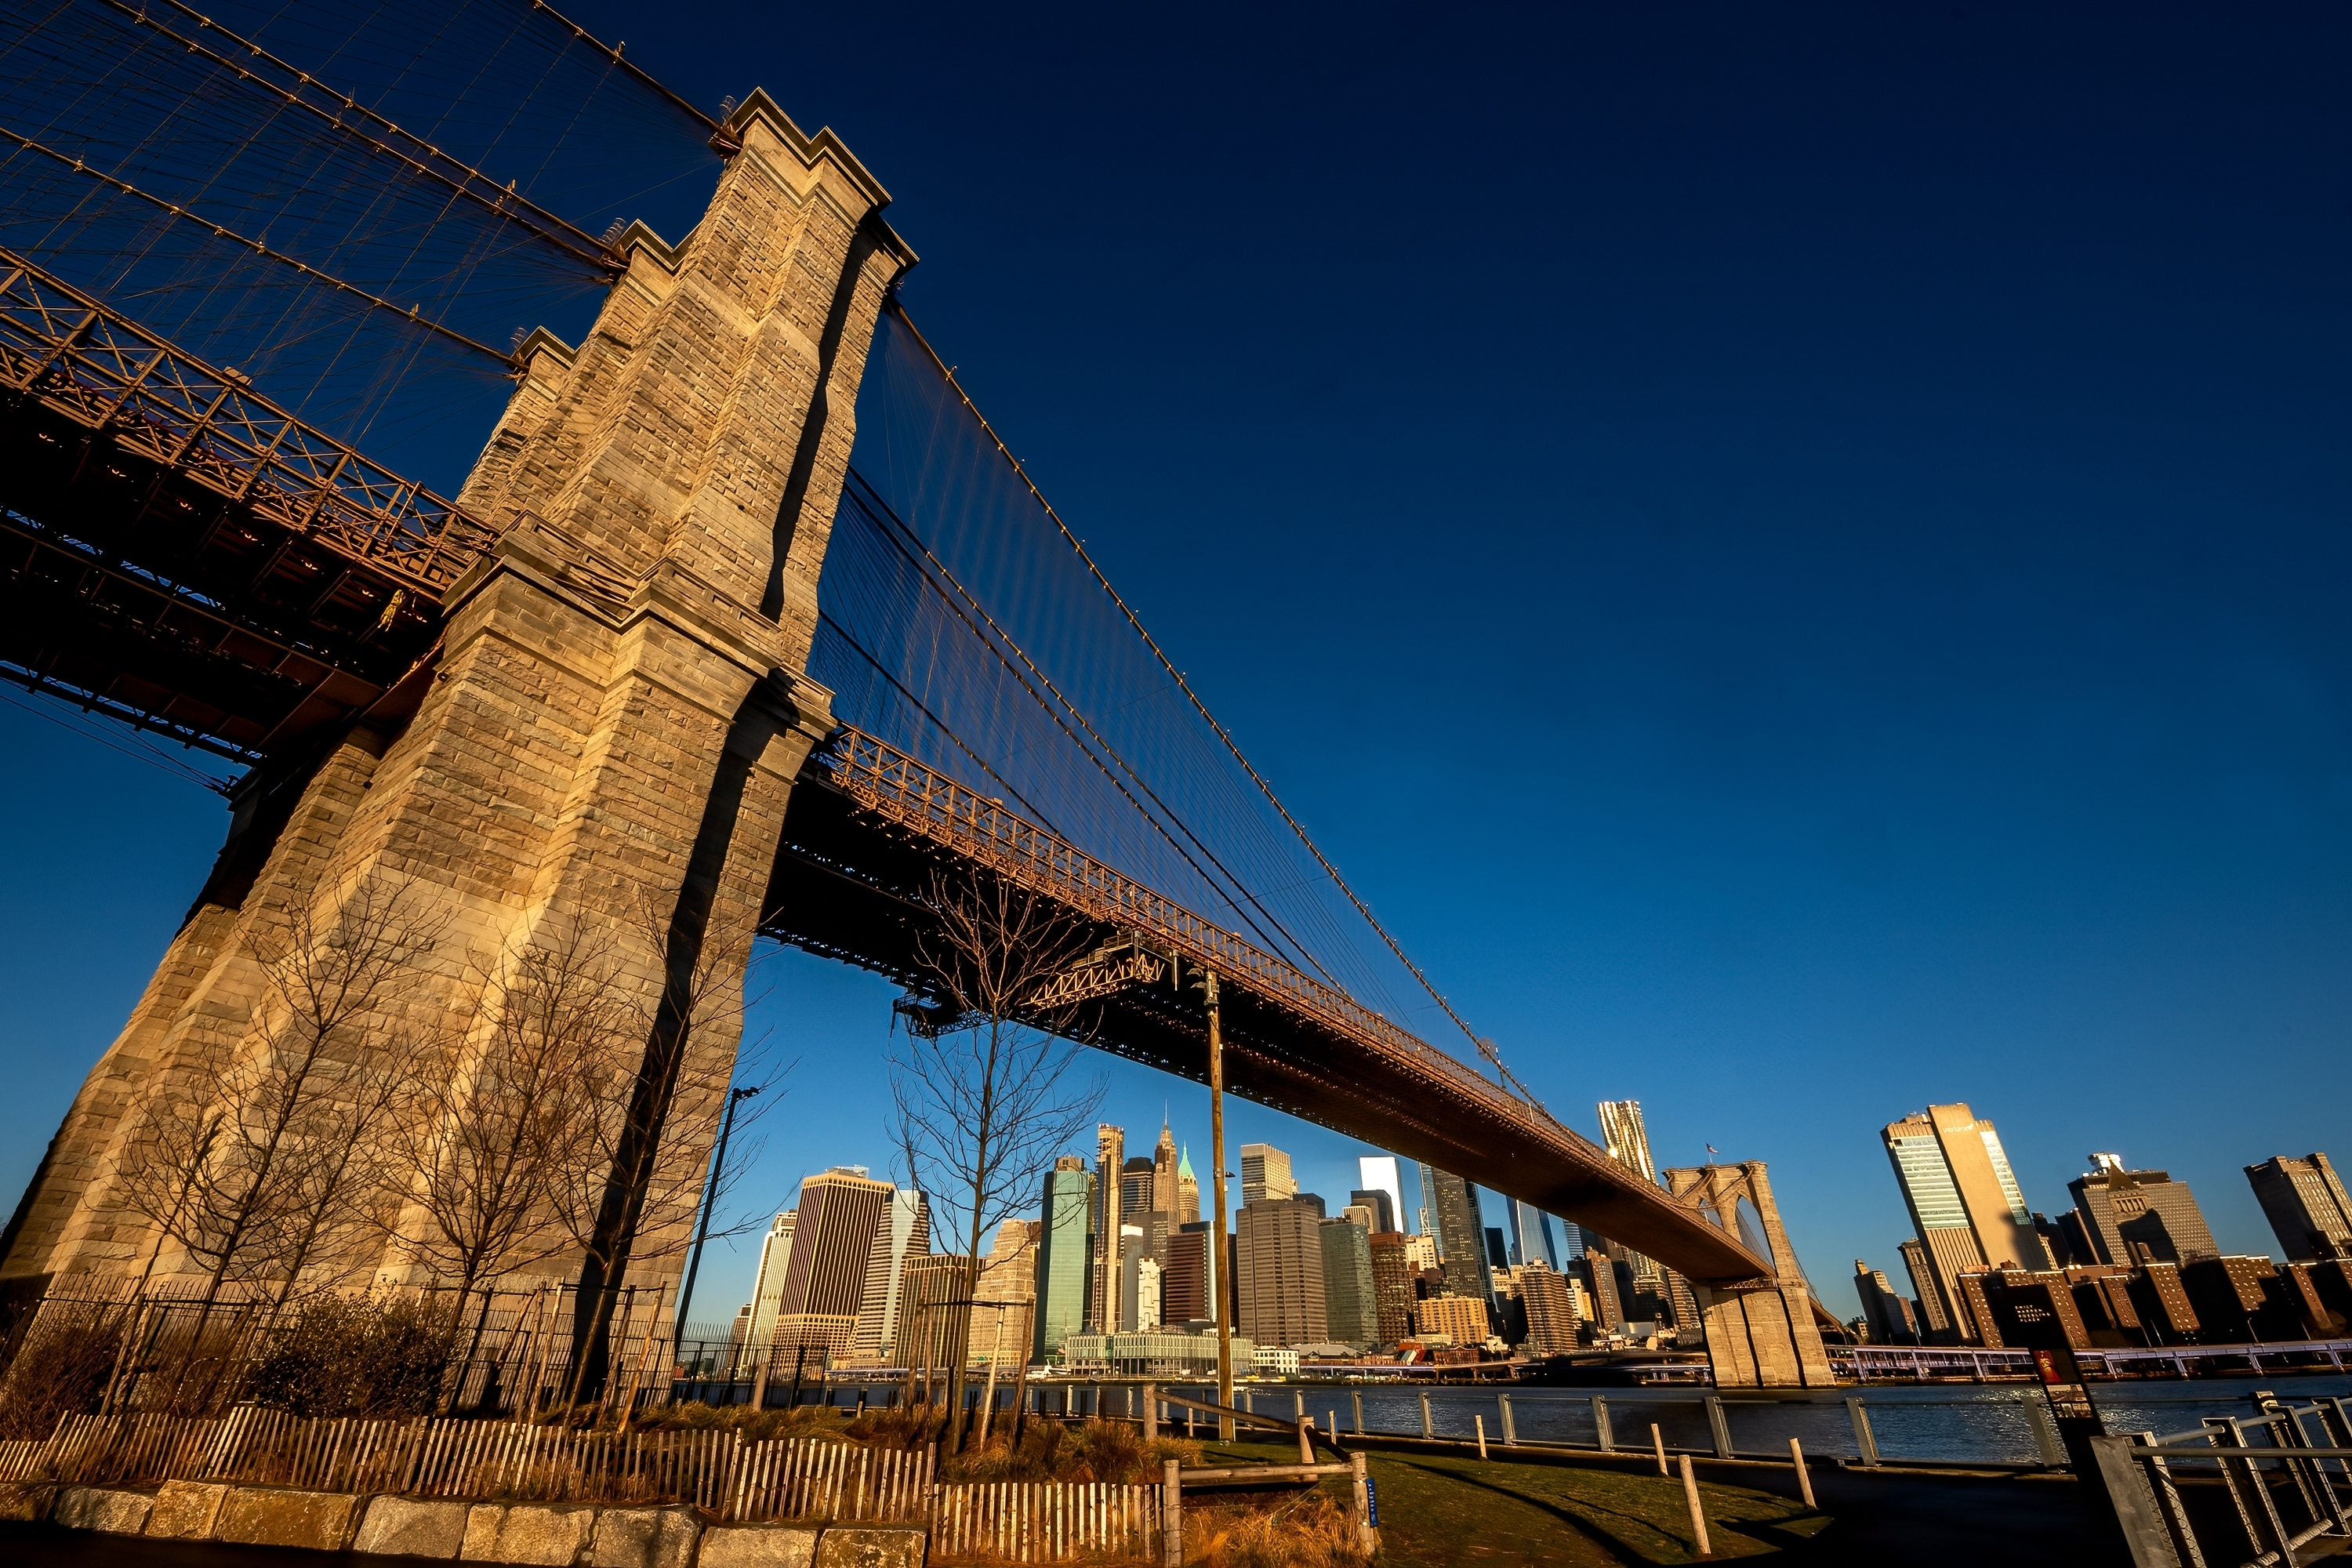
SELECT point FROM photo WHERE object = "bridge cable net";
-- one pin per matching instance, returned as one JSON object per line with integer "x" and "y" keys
{"x": 961, "y": 623}
{"x": 337, "y": 199}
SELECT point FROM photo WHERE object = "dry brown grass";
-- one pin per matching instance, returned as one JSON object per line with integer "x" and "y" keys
{"x": 1303, "y": 1529}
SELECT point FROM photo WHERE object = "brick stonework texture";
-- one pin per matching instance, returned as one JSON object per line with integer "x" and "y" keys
{"x": 641, "y": 633}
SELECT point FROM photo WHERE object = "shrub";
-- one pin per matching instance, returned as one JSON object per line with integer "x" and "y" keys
{"x": 338, "y": 1357}
{"x": 61, "y": 1366}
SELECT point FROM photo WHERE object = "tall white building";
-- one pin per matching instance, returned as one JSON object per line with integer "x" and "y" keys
{"x": 768, "y": 1284}
{"x": 1377, "y": 1173}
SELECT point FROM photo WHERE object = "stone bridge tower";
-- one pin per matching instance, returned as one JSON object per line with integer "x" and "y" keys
{"x": 606, "y": 735}
{"x": 1760, "y": 1332}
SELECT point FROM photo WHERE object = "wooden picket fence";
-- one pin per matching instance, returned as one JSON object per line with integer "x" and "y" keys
{"x": 782, "y": 1479}
{"x": 1049, "y": 1521}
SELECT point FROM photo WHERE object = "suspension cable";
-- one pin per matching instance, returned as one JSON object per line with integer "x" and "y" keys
{"x": 1485, "y": 1047}
{"x": 646, "y": 78}
{"x": 411, "y": 315}
{"x": 468, "y": 182}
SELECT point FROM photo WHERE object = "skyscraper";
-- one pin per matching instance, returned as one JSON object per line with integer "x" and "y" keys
{"x": 1185, "y": 1287}
{"x": 1163, "y": 1192}
{"x": 1265, "y": 1177}
{"x": 1934, "y": 1314}
{"x": 1350, "y": 1304}
{"x": 839, "y": 1214}
{"x": 1187, "y": 1191}
{"x": 904, "y": 1230}
{"x": 1392, "y": 1279}
{"x": 1888, "y": 1315}
{"x": 1552, "y": 1322}
{"x": 1376, "y": 1199}
{"x": 1062, "y": 1260}
{"x": 768, "y": 1284}
{"x": 1532, "y": 1229}
{"x": 1110, "y": 1157}
{"x": 1627, "y": 1141}
{"x": 2133, "y": 1215}
{"x": 1964, "y": 1201}
{"x": 1461, "y": 1237}
{"x": 1139, "y": 1183}
{"x": 1378, "y": 1173}
{"x": 2306, "y": 1205}
{"x": 1279, "y": 1274}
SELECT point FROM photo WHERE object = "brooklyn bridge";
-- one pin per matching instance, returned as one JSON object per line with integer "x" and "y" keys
{"x": 745, "y": 612}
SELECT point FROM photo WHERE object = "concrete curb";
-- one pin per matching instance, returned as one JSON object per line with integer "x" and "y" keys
{"x": 546, "y": 1535}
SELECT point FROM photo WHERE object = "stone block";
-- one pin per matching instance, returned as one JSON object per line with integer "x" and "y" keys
{"x": 871, "y": 1546}
{"x": 281, "y": 1516}
{"x": 413, "y": 1527}
{"x": 114, "y": 1510}
{"x": 645, "y": 1537}
{"x": 757, "y": 1546}
{"x": 187, "y": 1510}
{"x": 28, "y": 1501}
{"x": 551, "y": 1535}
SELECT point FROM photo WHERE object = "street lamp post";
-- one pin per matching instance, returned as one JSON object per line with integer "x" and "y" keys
{"x": 709, "y": 1197}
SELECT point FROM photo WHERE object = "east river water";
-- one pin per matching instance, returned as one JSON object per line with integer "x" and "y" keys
{"x": 1946, "y": 1421}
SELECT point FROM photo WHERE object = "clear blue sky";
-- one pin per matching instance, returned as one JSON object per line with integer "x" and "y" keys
{"x": 1798, "y": 561}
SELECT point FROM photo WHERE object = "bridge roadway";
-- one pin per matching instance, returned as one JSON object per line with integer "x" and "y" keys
{"x": 181, "y": 553}
{"x": 861, "y": 848}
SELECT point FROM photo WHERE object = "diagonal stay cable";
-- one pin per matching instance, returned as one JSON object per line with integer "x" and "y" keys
{"x": 870, "y": 504}
{"x": 1485, "y": 1047}
{"x": 258, "y": 248}
{"x": 468, "y": 183}
{"x": 1304, "y": 955}
{"x": 945, "y": 727}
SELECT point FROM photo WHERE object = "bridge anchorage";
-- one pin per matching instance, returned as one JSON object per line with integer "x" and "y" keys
{"x": 587, "y": 680}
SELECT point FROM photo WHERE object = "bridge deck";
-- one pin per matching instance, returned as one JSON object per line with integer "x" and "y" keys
{"x": 860, "y": 850}
{"x": 184, "y": 553}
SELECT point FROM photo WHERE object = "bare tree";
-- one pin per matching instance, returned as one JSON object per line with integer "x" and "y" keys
{"x": 977, "y": 1080}
{"x": 506, "y": 1115}
{"x": 637, "y": 1200}
{"x": 276, "y": 1164}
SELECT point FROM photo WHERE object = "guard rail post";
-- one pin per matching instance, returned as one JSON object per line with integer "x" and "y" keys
{"x": 1171, "y": 1515}
{"x": 1600, "y": 1423}
{"x": 1428, "y": 1428}
{"x": 1719, "y": 1427}
{"x": 2133, "y": 1500}
{"x": 1359, "y": 1399}
{"x": 1510, "y": 1428}
{"x": 1864, "y": 1444}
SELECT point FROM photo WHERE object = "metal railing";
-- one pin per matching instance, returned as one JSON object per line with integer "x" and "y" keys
{"x": 886, "y": 782}
{"x": 2269, "y": 1488}
{"x": 81, "y": 358}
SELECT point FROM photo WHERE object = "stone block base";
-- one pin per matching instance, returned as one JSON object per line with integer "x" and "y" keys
{"x": 871, "y": 1546}
{"x": 114, "y": 1510}
{"x": 187, "y": 1510}
{"x": 645, "y": 1537}
{"x": 758, "y": 1546}
{"x": 28, "y": 1501}
{"x": 413, "y": 1527}
{"x": 280, "y": 1516}
{"x": 551, "y": 1535}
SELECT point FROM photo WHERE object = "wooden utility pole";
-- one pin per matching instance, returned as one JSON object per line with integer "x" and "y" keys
{"x": 1217, "y": 1260}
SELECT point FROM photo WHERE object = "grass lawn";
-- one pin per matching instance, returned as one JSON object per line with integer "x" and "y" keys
{"x": 1443, "y": 1510}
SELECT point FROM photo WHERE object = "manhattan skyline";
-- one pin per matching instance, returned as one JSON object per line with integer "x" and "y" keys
{"x": 1899, "y": 542}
